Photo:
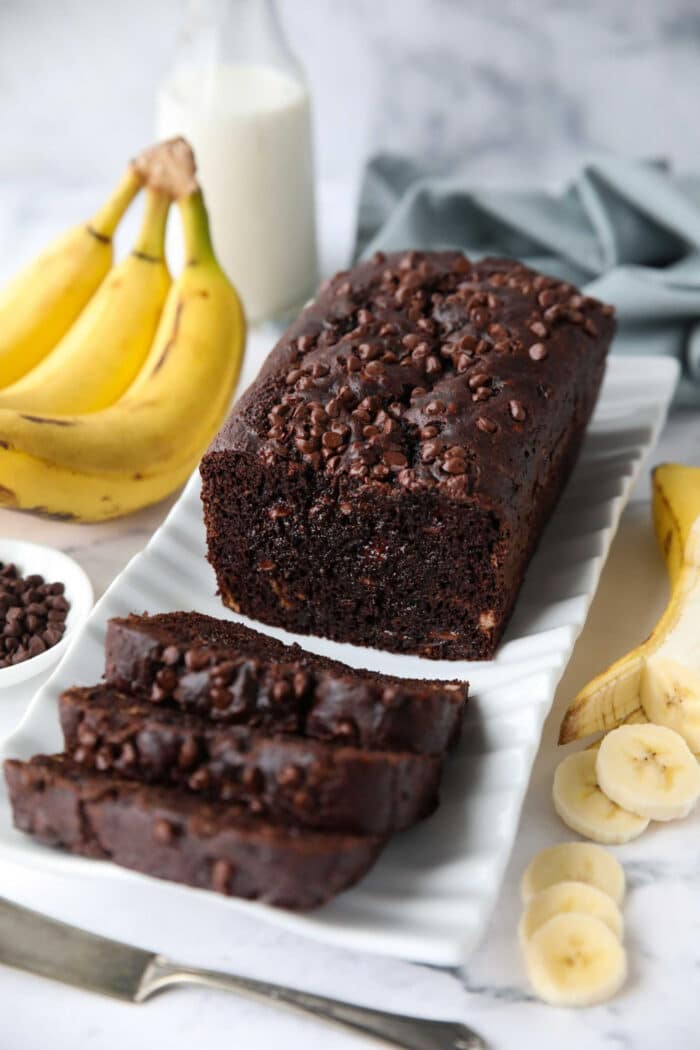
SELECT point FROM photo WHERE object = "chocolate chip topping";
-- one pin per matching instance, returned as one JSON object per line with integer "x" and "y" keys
{"x": 396, "y": 363}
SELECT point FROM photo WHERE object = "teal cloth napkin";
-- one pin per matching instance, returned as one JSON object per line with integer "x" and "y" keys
{"x": 624, "y": 231}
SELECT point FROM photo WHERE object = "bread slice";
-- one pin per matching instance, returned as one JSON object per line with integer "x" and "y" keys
{"x": 175, "y": 835}
{"x": 236, "y": 675}
{"x": 292, "y": 778}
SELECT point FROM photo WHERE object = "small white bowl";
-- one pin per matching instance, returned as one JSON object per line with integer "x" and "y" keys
{"x": 55, "y": 567}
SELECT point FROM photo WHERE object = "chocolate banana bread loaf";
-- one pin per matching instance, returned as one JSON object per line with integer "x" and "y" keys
{"x": 232, "y": 674}
{"x": 386, "y": 478}
{"x": 179, "y": 836}
{"x": 290, "y": 778}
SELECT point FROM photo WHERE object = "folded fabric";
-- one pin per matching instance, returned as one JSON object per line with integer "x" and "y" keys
{"x": 627, "y": 232}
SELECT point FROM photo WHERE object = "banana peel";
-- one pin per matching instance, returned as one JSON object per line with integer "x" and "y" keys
{"x": 659, "y": 680}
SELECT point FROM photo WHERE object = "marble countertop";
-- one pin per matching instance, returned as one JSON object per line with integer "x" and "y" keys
{"x": 658, "y": 1005}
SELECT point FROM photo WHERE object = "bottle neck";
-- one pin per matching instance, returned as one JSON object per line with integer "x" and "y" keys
{"x": 237, "y": 32}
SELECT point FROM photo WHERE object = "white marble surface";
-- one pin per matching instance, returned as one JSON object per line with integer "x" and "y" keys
{"x": 658, "y": 1006}
{"x": 514, "y": 91}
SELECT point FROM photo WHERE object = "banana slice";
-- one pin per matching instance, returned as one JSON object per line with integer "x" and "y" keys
{"x": 575, "y": 960}
{"x": 574, "y": 862}
{"x": 566, "y": 897}
{"x": 649, "y": 770}
{"x": 670, "y": 694}
{"x": 584, "y": 808}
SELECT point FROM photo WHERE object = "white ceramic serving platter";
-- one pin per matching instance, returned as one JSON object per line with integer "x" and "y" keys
{"x": 432, "y": 891}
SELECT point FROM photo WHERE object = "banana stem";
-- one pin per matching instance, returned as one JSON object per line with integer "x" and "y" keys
{"x": 195, "y": 222}
{"x": 151, "y": 237}
{"x": 106, "y": 219}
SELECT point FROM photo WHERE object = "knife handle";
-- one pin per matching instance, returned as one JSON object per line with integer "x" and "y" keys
{"x": 411, "y": 1033}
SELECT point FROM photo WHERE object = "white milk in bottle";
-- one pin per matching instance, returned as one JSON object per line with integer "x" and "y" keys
{"x": 239, "y": 98}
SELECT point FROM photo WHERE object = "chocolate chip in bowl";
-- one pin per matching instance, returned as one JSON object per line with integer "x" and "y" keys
{"x": 44, "y": 597}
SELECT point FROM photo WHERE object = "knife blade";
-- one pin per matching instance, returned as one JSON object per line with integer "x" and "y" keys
{"x": 37, "y": 944}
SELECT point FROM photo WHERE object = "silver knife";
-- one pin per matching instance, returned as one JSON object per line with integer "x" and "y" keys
{"x": 30, "y": 941}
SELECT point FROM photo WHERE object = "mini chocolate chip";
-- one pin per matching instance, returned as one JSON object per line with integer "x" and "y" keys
{"x": 331, "y": 440}
{"x": 289, "y": 776}
{"x": 395, "y": 460}
{"x": 345, "y": 729}
{"x": 199, "y": 780}
{"x": 375, "y": 369}
{"x": 36, "y": 646}
{"x": 547, "y": 298}
{"x": 477, "y": 380}
{"x": 127, "y": 756}
{"x": 517, "y": 411}
{"x": 538, "y": 351}
{"x": 86, "y": 735}
{"x": 487, "y": 425}
{"x": 281, "y": 691}
{"x": 353, "y": 363}
{"x": 188, "y": 753}
{"x": 221, "y": 876}
{"x": 454, "y": 465}
{"x": 434, "y": 408}
{"x": 167, "y": 679}
{"x": 220, "y": 698}
{"x": 253, "y": 779}
{"x": 170, "y": 655}
{"x": 196, "y": 659}
{"x": 103, "y": 759}
{"x": 539, "y": 329}
{"x": 301, "y": 683}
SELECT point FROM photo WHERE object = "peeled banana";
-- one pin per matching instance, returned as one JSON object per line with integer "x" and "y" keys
{"x": 574, "y": 959}
{"x": 564, "y": 897}
{"x": 100, "y": 356}
{"x": 574, "y": 862}
{"x": 659, "y": 681}
{"x": 98, "y": 465}
{"x": 586, "y": 809}
{"x": 648, "y": 770}
{"x": 44, "y": 299}
{"x": 571, "y": 928}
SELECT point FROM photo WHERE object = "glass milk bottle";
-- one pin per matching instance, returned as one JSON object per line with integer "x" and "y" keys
{"x": 237, "y": 93}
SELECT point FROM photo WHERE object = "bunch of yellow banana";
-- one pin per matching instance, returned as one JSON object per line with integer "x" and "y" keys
{"x": 115, "y": 412}
{"x": 648, "y": 702}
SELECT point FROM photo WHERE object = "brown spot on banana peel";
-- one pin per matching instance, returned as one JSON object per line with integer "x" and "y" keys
{"x": 661, "y": 495}
{"x": 48, "y": 419}
{"x": 146, "y": 257}
{"x": 104, "y": 238}
{"x": 168, "y": 346}
{"x": 8, "y": 498}
{"x": 44, "y": 512}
